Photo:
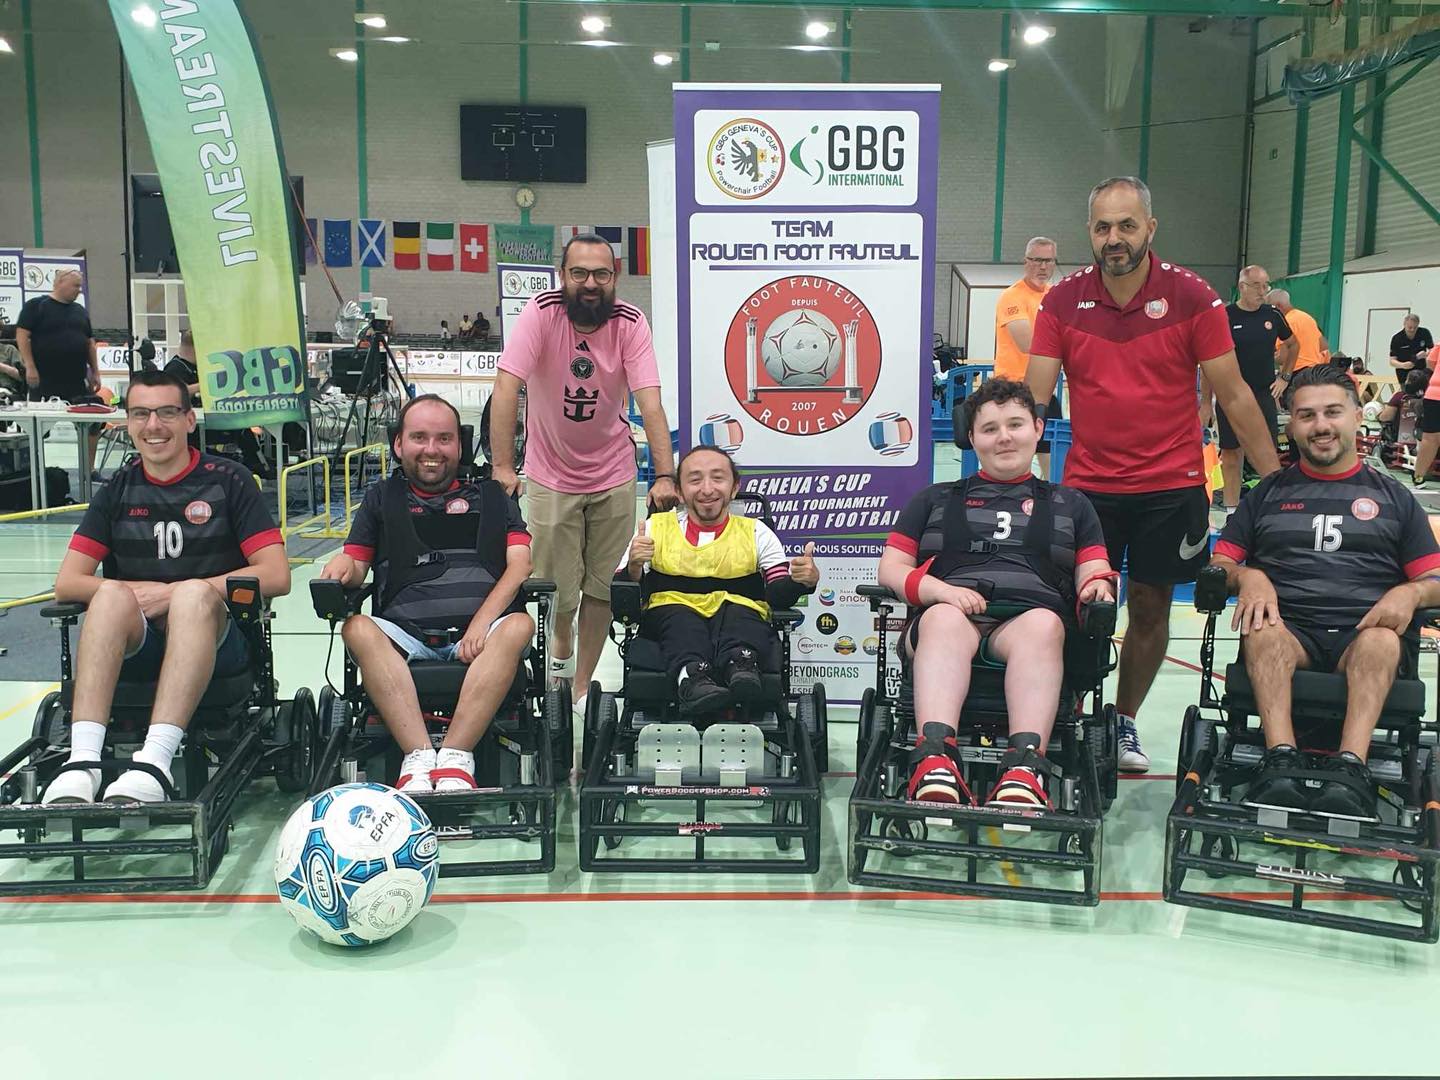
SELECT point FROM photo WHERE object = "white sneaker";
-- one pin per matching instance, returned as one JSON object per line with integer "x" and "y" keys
{"x": 1132, "y": 758}
{"x": 74, "y": 786}
{"x": 454, "y": 770}
{"x": 135, "y": 786}
{"x": 415, "y": 771}
{"x": 562, "y": 670}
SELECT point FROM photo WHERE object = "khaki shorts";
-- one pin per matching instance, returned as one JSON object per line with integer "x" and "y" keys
{"x": 577, "y": 540}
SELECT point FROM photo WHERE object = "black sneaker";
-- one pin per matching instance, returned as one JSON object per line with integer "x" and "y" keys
{"x": 742, "y": 675}
{"x": 1276, "y": 785}
{"x": 699, "y": 692}
{"x": 1347, "y": 789}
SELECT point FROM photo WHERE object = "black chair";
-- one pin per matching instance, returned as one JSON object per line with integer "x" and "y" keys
{"x": 1304, "y": 858}
{"x": 240, "y": 729}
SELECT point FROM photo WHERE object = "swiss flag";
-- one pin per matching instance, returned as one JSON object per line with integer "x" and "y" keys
{"x": 474, "y": 247}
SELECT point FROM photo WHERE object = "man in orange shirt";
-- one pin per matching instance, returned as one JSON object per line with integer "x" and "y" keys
{"x": 1015, "y": 323}
{"x": 1314, "y": 349}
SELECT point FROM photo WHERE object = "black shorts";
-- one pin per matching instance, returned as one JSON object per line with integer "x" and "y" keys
{"x": 1053, "y": 411}
{"x": 1268, "y": 409}
{"x": 1430, "y": 417}
{"x": 232, "y": 655}
{"x": 65, "y": 391}
{"x": 1326, "y": 645}
{"x": 1165, "y": 534}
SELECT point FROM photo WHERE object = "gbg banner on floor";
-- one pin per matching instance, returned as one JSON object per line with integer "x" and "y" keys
{"x": 805, "y": 225}
{"x": 202, "y": 92}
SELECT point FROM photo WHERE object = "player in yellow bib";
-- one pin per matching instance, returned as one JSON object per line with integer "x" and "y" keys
{"x": 710, "y": 578}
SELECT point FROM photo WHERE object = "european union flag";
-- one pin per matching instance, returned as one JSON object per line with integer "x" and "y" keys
{"x": 337, "y": 243}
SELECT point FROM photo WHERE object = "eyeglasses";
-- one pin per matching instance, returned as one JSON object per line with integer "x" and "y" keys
{"x": 166, "y": 413}
{"x": 1038, "y": 261}
{"x": 1263, "y": 286}
{"x": 578, "y": 274}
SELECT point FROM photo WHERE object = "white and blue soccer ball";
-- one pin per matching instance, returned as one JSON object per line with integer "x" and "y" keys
{"x": 356, "y": 863}
{"x": 801, "y": 348}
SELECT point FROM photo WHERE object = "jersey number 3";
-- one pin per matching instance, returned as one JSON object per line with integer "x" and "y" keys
{"x": 1327, "y": 531}
{"x": 169, "y": 541}
{"x": 1002, "y": 524}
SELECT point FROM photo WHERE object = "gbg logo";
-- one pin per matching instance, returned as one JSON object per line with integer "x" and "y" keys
{"x": 851, "y": 150}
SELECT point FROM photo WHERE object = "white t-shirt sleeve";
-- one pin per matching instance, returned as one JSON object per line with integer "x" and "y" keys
{"x": 770, "y": 552}
{"x": 625, "y": 555}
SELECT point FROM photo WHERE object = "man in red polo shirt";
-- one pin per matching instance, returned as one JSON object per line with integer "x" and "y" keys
{"x": 1130, "y": 331}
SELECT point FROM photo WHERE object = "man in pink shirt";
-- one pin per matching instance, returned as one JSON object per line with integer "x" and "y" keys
{"x": 580, "y": 353}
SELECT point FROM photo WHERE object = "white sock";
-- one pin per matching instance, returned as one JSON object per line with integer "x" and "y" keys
{"x": 578, "y": 705}
{"x": 1124, "y": 716}
{"x": 1230, "y": 511}
{"x": 87, "y": 739}
{"x": 161, "y": 743}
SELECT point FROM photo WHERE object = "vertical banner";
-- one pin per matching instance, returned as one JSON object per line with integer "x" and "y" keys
{"x": 529, "y": 244}
{"x": 518, "y": 283}
{"x": 805, "y": 230}
{"x": 202, "y": 91}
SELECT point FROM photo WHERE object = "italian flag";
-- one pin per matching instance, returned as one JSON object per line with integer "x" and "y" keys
{"x": 440, "y": 245}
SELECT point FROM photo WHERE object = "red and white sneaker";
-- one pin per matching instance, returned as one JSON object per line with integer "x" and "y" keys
{"x": 454, "y": 770}
{"x": 936, "y": 777}
{"x": 415, "y": 772}
{"x": 1018, "y": 786}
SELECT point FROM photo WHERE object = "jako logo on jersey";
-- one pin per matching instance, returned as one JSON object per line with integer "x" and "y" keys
{"x": 1085, "y": 305}
{"x": 139, "y": 511}
{"x": 1292, "y": 506}
{"x": 1365, "y": 509}
{"x": 1156, "y": 309}
{"x": 198, "y": 512}
{"x": 457, "y": 506}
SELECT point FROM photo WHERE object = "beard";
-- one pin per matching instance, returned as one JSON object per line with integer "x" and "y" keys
{"x": 1323, "y": 458}
{"x": 592, "y": 313}
{"x": 1137, "y": 256}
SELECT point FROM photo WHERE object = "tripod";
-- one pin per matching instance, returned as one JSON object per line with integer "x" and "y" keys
{"x": 378, "y": 369}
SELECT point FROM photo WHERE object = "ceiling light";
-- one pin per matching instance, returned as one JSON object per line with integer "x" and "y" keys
{"x": 664, "y": 59}
{"x": 144, "y": 14}
{"x": 1000, "y": 64}
{"x": 817, "y": 30}
{"x": 374, "y": 21}
{"x": 348, "y": 55}
{"x": 594, "y": 24}
{"x": 394, "y": 40}
{"x": 5, "y": 46}
{"x": 1037, "y": 35}
{"x": 808, "y": 48}
{"x": 600, "y": 43}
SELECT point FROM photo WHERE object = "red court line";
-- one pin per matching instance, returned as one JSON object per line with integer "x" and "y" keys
{"x": 630, "y": 897}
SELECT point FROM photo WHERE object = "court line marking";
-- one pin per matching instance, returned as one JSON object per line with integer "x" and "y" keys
{"x": 13, "y": 709}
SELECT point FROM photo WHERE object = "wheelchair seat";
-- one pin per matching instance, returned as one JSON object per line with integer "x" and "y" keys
{"x": 438, "y": 682}
{"x": 1319, "y": 695}
{"x": 647, "y": 682}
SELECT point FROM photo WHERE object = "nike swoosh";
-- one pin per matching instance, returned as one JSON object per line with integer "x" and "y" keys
{"x": 1188, "y": 550}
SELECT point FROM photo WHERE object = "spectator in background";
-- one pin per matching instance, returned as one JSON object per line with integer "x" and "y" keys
{"x": 482, "y": 327}
{"x": 12, "y": 368}
{"x": 1015, "y": 324}
{"x": 1408, "y": 397}
{"x": 1430, "y": 429}
{"x": 58, "y": 347}
{"x": 1410, "y": 347}
{"x": 466, "y": 330}
{"x": 1312, "y": 347}
{"x": 444, "y": 331}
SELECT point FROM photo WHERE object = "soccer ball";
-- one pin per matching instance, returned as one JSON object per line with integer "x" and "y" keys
{"x": 891, "y": 434}
{"x": 801, "y": 348}
{"x": 356, "y": 863}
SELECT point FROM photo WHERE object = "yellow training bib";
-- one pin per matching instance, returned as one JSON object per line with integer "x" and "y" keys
{"x": 730, "y": 557}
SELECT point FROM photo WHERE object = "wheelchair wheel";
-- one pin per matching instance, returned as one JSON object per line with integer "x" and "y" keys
{"x": 1197, "y": 736}
{"x": 1405, "y": 875}
{"x": 903, "y": 829}
{"x": 332, "y": 711}
{"x": 784, "y": 813}
{"x": 560, "y": 726}
{"x": 875, "y": 722}
{"x": 611, "y": 810}
{"x": 1217, "y": 846}
{"x": 298, "y": 722}
{"x": 50, "y": 723}
{"x": 810, "y": 712}
{"x": 1069, "y": 844}
{"x": 600, "y": 711}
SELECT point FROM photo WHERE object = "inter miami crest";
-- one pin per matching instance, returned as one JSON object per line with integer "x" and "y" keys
{"x": 582, "y": 367}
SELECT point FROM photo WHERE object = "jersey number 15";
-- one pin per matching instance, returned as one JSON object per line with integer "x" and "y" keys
{"x": 1327, "y": 531}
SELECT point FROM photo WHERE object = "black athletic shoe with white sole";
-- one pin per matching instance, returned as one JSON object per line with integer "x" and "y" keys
{"x": 1277, "y": 784}
{"x": 1347, "y": 789}
{"x": 699, "y": 692}
{"x": 742, "y": 675}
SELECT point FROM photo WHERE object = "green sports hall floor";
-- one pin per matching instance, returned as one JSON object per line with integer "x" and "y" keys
{"x": 678, "y": 976}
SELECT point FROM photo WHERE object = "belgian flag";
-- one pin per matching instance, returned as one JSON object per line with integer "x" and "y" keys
{"x": 407, "y": 244}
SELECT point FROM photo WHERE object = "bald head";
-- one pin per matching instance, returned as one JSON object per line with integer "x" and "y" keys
{"x": 1254, "y": 284}
{"x": 1280, "y": 298}
{"x": 67, "y": 285}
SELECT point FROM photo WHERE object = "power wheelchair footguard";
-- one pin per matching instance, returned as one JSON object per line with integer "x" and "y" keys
{"x": 895, "y": 843}
{"x": 1373, "y": 878}
{"x": 741, "y": 795}
{"x": 507, "y": 824}
{"x": 240, "y": 729}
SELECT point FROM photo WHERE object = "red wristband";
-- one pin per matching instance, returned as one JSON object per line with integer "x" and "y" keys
{"x": 1103, "y": 575}
{"x": 912, "y": 585}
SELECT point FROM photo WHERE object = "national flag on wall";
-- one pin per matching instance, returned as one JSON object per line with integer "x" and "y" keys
{"x": 474, "y": 248}
{"x": 312, "y": 226}
{"x": 372, "y": 242}
{"x": 407, "y": 244}
{"x": 440, "y": 245}
{"x": 637, "y": 250}
{"x": 337, "y": 243}
{"x": 614, "y": 235}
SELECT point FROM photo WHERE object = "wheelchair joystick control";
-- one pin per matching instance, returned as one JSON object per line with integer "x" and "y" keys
{"x": 1211, "y": 589}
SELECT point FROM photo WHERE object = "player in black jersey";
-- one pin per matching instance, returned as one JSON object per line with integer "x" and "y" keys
{"x": 1038, "y": 546}
{"x": 1336, "y": 559}
{"x": 168, "y": 529}
{"x": 460, "y": 606}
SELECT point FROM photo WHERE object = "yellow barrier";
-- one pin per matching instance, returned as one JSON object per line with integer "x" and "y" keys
{"x": 286, "y": 527}
{"x": 381, "y": 451}
{"x": 26, "y": 515}
{"x": 38, "y": 598}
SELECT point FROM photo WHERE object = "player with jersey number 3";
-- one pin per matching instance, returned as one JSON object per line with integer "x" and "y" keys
{"x": 1130, "y": 332}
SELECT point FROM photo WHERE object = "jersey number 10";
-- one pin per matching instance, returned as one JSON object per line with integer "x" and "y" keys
{"x": 169, "y": 541}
